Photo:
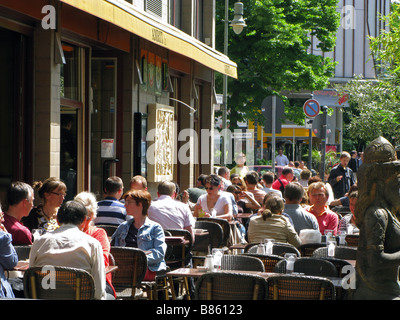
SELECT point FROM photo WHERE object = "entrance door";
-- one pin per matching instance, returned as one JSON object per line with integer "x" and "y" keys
{"x": 69, "y": 150}
{"x": 103, "y": 122}
{"x": 15, "y": 116}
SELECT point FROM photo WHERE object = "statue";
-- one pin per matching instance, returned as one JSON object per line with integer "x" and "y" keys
{"x": 377, "y": 217}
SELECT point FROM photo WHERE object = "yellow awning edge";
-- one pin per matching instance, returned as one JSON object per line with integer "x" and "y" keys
{"x": 123, "y": 15}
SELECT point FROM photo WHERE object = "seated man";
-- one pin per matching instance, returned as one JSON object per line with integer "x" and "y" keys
{"x": 20, "y": 198}
{"x": 68, "y": 246}
{"x": 110, "y": 210}
{"x": 169, "y": 213}
{"x": 251, "y": 180}
{"x": 301, "y": 218}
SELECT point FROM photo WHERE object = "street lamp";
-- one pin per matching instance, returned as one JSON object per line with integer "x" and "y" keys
{"x": 237, "y": 25}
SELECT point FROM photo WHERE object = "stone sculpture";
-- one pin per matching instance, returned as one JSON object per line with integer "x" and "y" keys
{"x": 377, "y": 217}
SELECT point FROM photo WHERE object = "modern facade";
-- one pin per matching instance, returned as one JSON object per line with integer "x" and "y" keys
{"x": 83, "y": 84}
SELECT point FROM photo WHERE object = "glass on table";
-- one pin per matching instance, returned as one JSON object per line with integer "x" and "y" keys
{"x": 217, "y": 258}
{"x": 268, "y": 245}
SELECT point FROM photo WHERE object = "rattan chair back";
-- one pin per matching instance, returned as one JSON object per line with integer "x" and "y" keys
{"x": 69, "y": 283}
{"x": 230, "y": 286}
{"x": 341, "y": 252}
{"x": 241, "y": 262}
{"x": 23, "y": 251}
{"x": 110, "y": 229}
{"x": 215, "y": 236}
{"x": 279, "y": 249}
{"x": 226, "y": 228}
{"x": 269, "y": 261}
{"x": 310, "y": 266}
{"x": 132, "y": 267}
{"x": 300, "y": 287}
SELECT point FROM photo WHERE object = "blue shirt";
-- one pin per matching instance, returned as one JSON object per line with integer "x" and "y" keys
{"x": 150, "y": 237}
{"x": 8, "y": 260}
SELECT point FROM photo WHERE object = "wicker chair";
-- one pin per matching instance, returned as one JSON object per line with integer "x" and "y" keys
{"x": 299, "y": 287}
{"x": 23, "y": 251}
{"x": 241, "y": 262}
{"x": 226, "y": 228}
{"x": 352, "y": 240}
{"x": 278, "y": 249}
{"x": 132, "y": 267}
{"x": 230, "y": 286}
{"x": 216, "y": 235}
{"x": 269, "y": 261}
{"x": 110, "y": 229}
{"x": 310, "y": 267}
{"x": 179, "y": 256}
{"x": 339, "y": 264}
{"x": 70, "y": 284}
{"x": 341, "y": 252}
{"x": 307, "y": 249}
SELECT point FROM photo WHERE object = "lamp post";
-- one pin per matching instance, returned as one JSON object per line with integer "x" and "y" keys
{"x": 237, "y": 25}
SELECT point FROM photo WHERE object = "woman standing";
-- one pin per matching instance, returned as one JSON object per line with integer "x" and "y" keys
{"x": 141, "y": 232}
{"x": 52, "y": 191}
{"x": 214, "y": 203}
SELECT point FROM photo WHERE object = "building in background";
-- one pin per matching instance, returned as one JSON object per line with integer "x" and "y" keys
{"x": 84, "y": 82}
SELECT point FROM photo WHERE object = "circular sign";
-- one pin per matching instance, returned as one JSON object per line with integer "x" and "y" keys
{"x": 311, "y": 108}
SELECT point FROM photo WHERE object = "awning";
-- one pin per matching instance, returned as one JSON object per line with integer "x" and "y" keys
{"x": 123, "y": 15}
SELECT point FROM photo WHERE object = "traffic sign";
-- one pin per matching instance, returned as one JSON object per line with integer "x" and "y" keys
{"x": 311, "y": 108}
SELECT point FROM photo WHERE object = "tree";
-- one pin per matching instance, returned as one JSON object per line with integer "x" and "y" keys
{"x": 272, "y": 51}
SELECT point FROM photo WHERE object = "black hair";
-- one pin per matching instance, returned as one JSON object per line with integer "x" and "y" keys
{"x": 72, "y": 212}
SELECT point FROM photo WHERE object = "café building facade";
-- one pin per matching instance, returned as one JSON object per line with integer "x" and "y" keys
{"x": 106, "y": 87}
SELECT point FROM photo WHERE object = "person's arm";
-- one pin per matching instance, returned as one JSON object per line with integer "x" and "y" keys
{"x": 157, "y": 253}
{"x": 334, "y": 177}
{"x": 8, "y": 255}
{"x": 252, "y": 204}
{"x": 98, "y": 272}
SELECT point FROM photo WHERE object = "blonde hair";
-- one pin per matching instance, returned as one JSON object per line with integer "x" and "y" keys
{"x": 273, "y": 204}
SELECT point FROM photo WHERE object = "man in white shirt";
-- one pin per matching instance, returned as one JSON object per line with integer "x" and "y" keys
{"x": 68, "y": 246}
{"x": 281, "y": 159}
{"x": 170, "y": 213}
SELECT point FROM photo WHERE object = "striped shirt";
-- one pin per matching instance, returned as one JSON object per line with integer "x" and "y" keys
{"x": 110, "y": 211}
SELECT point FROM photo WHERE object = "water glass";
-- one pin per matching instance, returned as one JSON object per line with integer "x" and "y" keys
{"x": 269, "y": 244}
{"x": 217, "y": 258}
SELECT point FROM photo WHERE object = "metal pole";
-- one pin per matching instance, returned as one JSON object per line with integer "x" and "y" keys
{"x": 273, "y": 131}
{"x": 324, "y": 136}
{"x": 225, "y": 87}
{"x": 309, "y": 165}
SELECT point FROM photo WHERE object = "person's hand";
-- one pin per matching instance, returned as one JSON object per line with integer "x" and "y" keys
{"x": 185, "y": 197}
{"x": 338, "y": 178}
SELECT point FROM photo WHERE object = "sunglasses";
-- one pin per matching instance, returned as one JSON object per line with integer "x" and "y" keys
{"x": 210, "y": 188}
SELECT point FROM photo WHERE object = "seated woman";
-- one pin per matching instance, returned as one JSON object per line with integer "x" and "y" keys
{"x": 214, "y": 201}
{"x": 43, "y": 216}
{"x": 270, "y": 223}
{"x": 8, "y": 259}
{"x": 89, "y": 201}
{"x": 141, "y": 232}
{"x": 348, "y": 222}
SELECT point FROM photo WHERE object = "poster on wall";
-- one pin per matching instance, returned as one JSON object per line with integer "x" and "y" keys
{"x": 158, "y": 75}
{"x": 107, "y": 148}
{"x": 151, "y": 72}
{"x": 143, "y": 64}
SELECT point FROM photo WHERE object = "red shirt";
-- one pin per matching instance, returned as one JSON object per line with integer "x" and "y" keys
{"x": 327, "y": 220}
{"x": 101, "y": 235}
{"x": 21, "y": 235}
{"x": 277, "y": 185}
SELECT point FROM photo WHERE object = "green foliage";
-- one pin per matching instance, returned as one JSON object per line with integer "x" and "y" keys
{"x": 272, "y": 51}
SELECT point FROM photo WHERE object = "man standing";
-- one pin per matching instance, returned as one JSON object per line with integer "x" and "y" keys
{"x": 20, "y": 198}
{"x": 169, "y": 213}
{"x": 68, "y": 246}
{"x": 111, "y": 211}
{"x": 301, "y": 218}
{"x": 341, "y": 177}
{"x": 281, "y": 159}
{"x": 318, "y": 197}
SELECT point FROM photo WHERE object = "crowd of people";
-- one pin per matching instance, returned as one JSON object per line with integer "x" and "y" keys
{"x": 65, "y": 232}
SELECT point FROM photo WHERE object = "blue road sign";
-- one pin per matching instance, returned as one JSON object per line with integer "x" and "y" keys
{"x": 311, "y": 108}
